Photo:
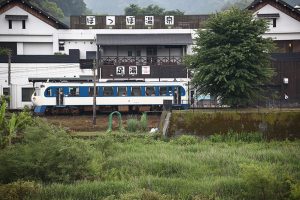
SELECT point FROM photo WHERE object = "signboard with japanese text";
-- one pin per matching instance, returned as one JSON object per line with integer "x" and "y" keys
{"x": 90, "y": 20}
{"x": 130, "y": 20}
{"x": 169, "y": 20}
{"x": 133, "y": 70}
{"x": 149, "y": 20}
{"x": 146, "y": 70}
{"x": 120, "y": 70}
{"x": 110, "y": 20}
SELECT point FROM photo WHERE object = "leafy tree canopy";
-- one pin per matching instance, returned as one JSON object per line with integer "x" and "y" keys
{"x": 232, "y": 59}
{"x": 135, "y": 10}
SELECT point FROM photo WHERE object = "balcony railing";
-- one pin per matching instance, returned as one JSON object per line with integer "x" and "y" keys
{"x": 141, "y": 60}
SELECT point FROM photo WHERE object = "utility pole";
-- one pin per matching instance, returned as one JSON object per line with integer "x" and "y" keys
{"x": 9, "y": 54}
{"x": 94, "y": 95}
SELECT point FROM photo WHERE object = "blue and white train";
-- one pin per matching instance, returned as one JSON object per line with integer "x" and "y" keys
{"x": 110, "y": 96}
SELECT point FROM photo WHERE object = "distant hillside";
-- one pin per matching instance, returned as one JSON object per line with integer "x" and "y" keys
{"x": 188, "y": 6}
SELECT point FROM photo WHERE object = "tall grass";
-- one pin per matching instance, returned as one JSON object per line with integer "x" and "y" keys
{"x": 142, "y": 166}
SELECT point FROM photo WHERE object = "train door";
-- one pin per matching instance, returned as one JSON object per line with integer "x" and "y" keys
{"x": 177, "y": 95}
{"x": 59, "y": 97}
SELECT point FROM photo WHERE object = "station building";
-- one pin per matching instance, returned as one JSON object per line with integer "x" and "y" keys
{"x": 147, "y": 48}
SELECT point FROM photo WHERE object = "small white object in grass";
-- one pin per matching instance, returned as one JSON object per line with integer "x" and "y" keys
{"x": 154, "y": 130}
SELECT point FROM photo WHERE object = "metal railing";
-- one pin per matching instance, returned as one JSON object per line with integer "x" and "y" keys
{"x": 141, "y": 60}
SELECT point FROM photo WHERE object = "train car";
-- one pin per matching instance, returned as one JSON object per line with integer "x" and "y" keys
{"x": 110, "y": 96}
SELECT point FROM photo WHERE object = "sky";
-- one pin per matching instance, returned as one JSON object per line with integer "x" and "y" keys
{"x": 116, "y": 7}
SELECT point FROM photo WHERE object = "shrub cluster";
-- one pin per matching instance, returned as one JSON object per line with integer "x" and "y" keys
{"x": 134, "y": 125}
{"x": 49, "y": 154}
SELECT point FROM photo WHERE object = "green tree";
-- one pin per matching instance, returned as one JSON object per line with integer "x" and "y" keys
{"x": 136, "y": 10}
{"x": 49, "y": 7}
{"x": 232, "y": 59}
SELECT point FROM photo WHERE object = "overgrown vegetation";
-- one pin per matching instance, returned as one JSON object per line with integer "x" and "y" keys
{"x": 45, "y": 162}
{"x": 134, "y": 125}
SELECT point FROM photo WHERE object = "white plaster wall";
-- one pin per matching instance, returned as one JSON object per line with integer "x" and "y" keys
{"x": 285, "y": 23}
{"x": 37, "y": 48}
{"x": 83, "y": 46}
{"x": 33, "y": 24}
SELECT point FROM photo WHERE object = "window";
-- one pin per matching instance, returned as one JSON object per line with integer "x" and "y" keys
{"x": 108, "y": 91}
{"x": 163, "y": 91}
{"x": 6, "y": 91}
{"x": 122, "y": 91}
{"x": 23, "y": 24}
{"x": 138, "y": 53}
{"x": 274, "y": 22}
{"x": 10, "y": 24}
{"x": 26, "y": 94}
{"x": 130, "y": 53}
{"x": 48, "y": 92}
{"x": 135, "y": 91}
{"x": 61, "y": 46}
{"x": 74, "y": 91}
{"x": 91, "y": 91}
{"x": 150, "y": 91}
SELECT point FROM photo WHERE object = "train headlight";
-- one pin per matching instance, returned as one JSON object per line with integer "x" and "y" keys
{"x": 33, "y": 98}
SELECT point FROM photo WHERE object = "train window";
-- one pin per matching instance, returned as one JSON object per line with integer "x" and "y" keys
{"x": 122, "y": 91}
{"x": 136, "y": 91}
{"x": 91, "y": 91}
{"x": 163, "y": 91}
{"x": 150, "y": 91}
{"x": 48, "y": 92}
{"x": 74, "y": 91}
{"x": 108, "y": 91}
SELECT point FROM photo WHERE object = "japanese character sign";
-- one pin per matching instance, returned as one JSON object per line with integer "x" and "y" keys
{"x": 110, "y": 20}
{"x": 133, "y": 70}
{"x": 90, "y": 20}
{"x": 120, "y": 70}
{"x": 130, "y": 20}
{"x": 169, "y": 20}
{"x": 146, "y": 70}
{"x": 149, "y": 20}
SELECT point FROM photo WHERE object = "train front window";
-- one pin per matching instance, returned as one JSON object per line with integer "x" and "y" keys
{"x": 136, "y": 91}
{"x": 74, "y": 91}
{"x": 150, "y": 91}
{"x": 108, "y": 91}
{"x": 122, "y": 91}
{"x": 48, "y": 92}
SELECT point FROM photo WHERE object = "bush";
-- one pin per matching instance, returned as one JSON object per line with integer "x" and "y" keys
{"x": 295, "y": 192}
{"x": 132, "y": 124}
{"x": 49, "y": 155}
{"x": 232, "y": 136}
{"x": 260, "y": 182}
{"x": 19, "y": 190}
{"x": 144, "y": 122}
{"x": 185, "y": 140}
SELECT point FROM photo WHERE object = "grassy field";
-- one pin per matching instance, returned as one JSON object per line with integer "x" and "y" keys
{"x": 145, "y": 167}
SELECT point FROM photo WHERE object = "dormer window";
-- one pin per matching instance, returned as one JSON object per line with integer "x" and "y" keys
{"x": 12, "y": 18}
{"x": 272, "y": 17}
